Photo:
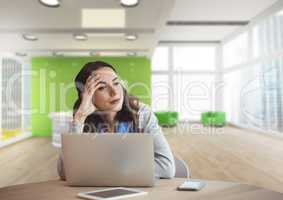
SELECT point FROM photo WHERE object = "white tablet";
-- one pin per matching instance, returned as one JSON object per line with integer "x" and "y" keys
{"x": 111, "y": 193}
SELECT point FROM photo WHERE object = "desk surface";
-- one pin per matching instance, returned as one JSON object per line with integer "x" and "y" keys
{"x": 164, "y": 189}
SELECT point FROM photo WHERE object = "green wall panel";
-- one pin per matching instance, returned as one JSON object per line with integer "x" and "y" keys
{"x": 53, "y": 87}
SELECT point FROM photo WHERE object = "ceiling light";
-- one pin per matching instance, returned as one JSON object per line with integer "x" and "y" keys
{"x": 80, "y": 37}
{"x": 103, "y": 18}
{"x": 131, "y": 37}
{"x": 129, "y": 3}
{"x": 132, "y": 54}
{"x": 21, "y": 54}
{"x": 280, "y": 13}
{"x": 93, "y": 53}
{"x": 57, "y": 53}
{"x": 30, "y": 37}
{"x": 112, "y": 53}
{"x": 50, "y": 3}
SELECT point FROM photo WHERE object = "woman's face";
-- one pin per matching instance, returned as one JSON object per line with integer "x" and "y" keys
{"x": 109, "y": 95}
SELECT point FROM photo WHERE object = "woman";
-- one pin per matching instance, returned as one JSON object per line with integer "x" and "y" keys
{"x": 104, "y": 105}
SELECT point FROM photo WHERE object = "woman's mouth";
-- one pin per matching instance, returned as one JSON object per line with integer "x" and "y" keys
{"x": 115, "y": 101}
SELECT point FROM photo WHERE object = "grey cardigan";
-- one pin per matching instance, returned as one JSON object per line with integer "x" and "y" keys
{"x": 163, "y": 157}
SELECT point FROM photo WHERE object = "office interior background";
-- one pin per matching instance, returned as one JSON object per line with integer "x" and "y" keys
{"x": 184, "y": 56}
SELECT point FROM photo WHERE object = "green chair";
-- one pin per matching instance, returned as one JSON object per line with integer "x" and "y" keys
{"x": 167, "y": 118}
{"x": 213, "y": 118}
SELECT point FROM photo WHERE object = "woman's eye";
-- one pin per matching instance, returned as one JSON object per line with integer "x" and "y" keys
{"x": 116, "y": 83}
{"x": 101, "y": 88}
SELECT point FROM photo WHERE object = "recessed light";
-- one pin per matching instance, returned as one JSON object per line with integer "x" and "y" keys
{"x": 57, "y": 53}
{"x": 131, "y": 37}
{"x": 50, "y": 3}
{"x": 21, "y": 54}
{"x": 280, "y": 13}
{"x": 30, "y": 37}
{"x": 132, "y": 53}
{"x": 93, "y": 53}
{"x": 112, "y": 53}
{"x": 80, "y": 37}
{"x": 129, "y": 3}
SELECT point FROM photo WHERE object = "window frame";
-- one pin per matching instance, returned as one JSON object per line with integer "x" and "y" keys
{"x": 216, "y": 72}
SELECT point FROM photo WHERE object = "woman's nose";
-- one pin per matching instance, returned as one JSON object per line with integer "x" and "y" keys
{"x": 112, "y": 91}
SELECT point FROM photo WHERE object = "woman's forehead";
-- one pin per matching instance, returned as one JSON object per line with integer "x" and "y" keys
{"x": 106, "y": 72}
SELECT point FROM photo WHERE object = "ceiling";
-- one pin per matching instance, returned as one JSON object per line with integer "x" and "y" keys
{"x": 209, "y": 11}
{"x": 55, "y": 26}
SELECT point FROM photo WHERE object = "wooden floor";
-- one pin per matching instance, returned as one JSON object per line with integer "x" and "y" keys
{"x": 217, "y": 154}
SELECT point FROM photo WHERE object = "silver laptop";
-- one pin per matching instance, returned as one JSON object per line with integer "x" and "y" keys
{"x": 108, "y": 159}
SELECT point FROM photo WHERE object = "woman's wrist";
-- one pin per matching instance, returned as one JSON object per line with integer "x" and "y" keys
{"x": 79, "y": 117}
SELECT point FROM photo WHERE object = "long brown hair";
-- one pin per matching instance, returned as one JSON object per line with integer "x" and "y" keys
{"x": 95, "y": 121}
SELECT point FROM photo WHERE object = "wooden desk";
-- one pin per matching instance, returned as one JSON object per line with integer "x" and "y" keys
{"x": 164, "y": 189}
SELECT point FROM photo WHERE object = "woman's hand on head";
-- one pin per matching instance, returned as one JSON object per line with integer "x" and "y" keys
{"x": 87, "y": 107}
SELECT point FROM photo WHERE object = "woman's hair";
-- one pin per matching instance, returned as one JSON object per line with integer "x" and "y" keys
{"x": 95, "y": 121}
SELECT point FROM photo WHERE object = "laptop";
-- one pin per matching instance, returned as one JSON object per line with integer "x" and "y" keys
{"x": 108, "y": 159}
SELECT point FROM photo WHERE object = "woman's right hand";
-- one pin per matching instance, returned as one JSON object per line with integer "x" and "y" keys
{"x": 87, "y": 107}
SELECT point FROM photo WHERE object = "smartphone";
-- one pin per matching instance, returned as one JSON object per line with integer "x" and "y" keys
{"x": 111, "y": 193}
{"x": 191, "y": 185}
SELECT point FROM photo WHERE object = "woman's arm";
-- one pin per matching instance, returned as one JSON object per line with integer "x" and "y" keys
{"x": 77, "y": 127}
{"x": 163, "y": 157}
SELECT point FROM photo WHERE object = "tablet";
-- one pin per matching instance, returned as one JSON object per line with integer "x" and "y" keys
{"x": 111, "y": 193}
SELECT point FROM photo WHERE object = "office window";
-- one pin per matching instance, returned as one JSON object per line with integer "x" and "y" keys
{"x": 160, "y": 59}
{"x": 188, "y": 85}
{"x": 194, "y": 58}
{"x": 243, "y": 96}
{"x": 193, "y": 94}
{"x": 256, "y": 43}
{"x": 267, "y": 36}
{"x": 161, "y": 92}
{"x": 253, "y": 95}
{"x": 236, "y": 51}
{"x": 272, "y": 94}
{"x": 11, "y": 98}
